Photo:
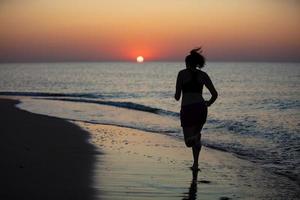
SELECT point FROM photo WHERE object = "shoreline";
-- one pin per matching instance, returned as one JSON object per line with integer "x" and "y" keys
{"x": 255, "y": 149}
{"x": 141, "y": 165}
{"x": 43, "y": 157}
{"x": 136, "y": 164}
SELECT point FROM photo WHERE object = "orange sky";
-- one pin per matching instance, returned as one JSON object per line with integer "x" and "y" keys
{"x": 96, "y": 30}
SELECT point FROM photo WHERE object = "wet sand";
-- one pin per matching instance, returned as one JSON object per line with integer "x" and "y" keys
{"x": 43, "y": 157}
{"x": 143, "y": 165}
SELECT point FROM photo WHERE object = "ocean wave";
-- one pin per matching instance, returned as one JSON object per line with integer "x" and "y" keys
{"x": 281, "y": 104}
{"x": 121, "y": 104}
{"x": 94, "y": 95}
{"x": 46, "y": 94}
{"x": 245, "y": 127}
{"x": 91, "y": 98}
{"x": 269, "y": 158}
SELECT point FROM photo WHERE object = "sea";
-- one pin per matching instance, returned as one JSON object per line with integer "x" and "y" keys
{"x": 256, "y": 116}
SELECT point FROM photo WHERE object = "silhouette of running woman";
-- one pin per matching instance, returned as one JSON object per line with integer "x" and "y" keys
{"x": 193, "y": 113}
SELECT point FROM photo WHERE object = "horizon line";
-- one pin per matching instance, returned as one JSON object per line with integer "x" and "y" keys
{"x": 133, "y": 61}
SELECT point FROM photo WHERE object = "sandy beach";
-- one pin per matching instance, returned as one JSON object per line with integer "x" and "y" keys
{"x": 49, "y": 158}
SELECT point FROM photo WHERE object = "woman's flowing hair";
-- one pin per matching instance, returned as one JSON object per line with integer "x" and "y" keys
{"x": 195, "y": 59}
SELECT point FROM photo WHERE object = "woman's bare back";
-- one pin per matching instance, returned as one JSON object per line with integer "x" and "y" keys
{"x": 193, "y": 95}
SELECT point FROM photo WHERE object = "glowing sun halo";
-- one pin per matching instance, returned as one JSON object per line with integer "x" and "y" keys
{"x": 140, "y": 59}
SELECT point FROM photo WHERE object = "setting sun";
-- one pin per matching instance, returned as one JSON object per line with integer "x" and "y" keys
{"x": 140, "y": 59}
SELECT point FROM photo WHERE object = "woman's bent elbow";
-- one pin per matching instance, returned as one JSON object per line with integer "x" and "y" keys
{"x": 216, "y": 95}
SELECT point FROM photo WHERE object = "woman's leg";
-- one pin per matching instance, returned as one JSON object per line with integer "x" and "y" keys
{"x": 189, "y": 135}
{"x": 197, "y": 147}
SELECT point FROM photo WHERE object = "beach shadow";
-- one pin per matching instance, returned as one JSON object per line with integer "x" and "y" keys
{"x": 192, "y": 194}
{"x": 43, "y": 157}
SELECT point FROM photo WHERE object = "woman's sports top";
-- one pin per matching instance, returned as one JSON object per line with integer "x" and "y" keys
{"x": 193, "y": 85}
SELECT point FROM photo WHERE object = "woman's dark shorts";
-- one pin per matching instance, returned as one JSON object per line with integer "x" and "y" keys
{"x": 193, "y": 114}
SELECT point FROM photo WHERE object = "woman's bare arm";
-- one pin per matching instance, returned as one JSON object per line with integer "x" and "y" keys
{"x": 211, "y": 88}
{"x": 178, "y": 87}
